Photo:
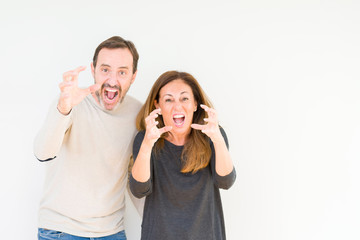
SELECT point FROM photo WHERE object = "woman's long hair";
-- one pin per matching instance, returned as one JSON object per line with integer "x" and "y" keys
{"x": 197, "y": 152}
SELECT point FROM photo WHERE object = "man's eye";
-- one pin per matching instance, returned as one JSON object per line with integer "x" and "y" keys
{"x": 122, "y": 73}
{"x": 105, "y": 70}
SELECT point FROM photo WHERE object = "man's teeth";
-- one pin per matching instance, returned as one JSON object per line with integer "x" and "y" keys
{"x": 111, "y": 90}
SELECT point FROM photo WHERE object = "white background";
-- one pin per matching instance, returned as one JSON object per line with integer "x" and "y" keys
{"x": 283, "y": 75}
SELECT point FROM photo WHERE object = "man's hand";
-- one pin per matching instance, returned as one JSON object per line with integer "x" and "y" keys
{"x": 71, "y": 94}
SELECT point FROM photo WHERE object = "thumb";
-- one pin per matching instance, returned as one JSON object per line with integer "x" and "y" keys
{"x": 165, "y": 129}
{"x": 94, "y": 87}
{"x": 197, "y": 126}
{"x": 86, "y": 91}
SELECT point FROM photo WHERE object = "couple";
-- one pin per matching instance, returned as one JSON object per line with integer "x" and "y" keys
{"x": 180, "y": 152}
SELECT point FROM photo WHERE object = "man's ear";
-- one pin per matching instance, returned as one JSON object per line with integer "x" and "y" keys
{"x": 133, "y": 77}
{"x": 92, "y": 70}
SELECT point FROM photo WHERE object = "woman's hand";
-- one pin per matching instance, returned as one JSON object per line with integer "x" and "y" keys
{"x": 141, "y": 168}
{"x": 153, "y": 133}
{"x": 223, "y": 162}
{"x": 211, "y": 129}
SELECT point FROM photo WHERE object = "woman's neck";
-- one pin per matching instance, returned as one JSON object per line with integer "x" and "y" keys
{"x": 176, "y": 139}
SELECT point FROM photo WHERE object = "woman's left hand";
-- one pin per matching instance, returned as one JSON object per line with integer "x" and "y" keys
{"x": 211, "y": 129}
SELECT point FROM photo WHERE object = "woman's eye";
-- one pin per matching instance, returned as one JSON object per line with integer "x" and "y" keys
{"x": 185, "y": 99}
{"x": 167, "y": 100}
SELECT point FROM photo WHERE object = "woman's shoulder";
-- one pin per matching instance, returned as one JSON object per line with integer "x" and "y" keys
{"x": 139, "y": 136}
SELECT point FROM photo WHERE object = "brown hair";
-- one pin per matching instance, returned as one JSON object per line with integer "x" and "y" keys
{"x": 197, "y": 152}
{"x": 118, "y": 42}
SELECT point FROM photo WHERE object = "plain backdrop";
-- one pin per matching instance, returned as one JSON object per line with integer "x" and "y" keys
{"x": 283, "y": 76}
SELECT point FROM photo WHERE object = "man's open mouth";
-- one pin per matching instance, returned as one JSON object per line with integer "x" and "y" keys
{"x": 110, "y": 93}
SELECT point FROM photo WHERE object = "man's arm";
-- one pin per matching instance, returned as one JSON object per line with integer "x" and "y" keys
{"x": 50, "y": 138}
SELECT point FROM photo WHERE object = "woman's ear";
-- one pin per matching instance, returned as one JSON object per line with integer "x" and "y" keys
{"x": 156, "y": 104}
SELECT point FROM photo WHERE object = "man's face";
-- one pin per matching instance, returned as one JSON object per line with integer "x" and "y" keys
{"x": 114, "y": 72}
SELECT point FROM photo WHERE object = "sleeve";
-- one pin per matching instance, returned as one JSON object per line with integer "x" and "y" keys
{"x": 50, "y": 137}
{"x": 224, "y": 182}
{"x": 137, "y": 202}
{"x": 140, "y": 189}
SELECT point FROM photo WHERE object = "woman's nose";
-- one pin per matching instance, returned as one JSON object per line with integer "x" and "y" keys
{"x": 177, "y": 105}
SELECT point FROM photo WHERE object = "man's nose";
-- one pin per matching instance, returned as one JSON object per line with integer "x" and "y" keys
{"x": 113, "y": 79}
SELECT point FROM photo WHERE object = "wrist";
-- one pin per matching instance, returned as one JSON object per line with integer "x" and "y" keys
{"x": 64, "y": 112}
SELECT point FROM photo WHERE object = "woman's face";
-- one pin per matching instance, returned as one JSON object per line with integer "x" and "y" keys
{"x": 177, "y": 104}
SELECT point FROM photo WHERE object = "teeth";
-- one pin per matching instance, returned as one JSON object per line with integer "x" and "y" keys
{"x": 178, "y": 116}
{"x": 111, "y": 90}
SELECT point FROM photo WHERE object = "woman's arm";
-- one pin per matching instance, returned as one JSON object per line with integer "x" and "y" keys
{"x": 222, "y": 181}
{"x": 140, "y": 181}
{"x": 223, "y": 163}
{"x": 141, "y": 169}
{"x": 224, "y": 169}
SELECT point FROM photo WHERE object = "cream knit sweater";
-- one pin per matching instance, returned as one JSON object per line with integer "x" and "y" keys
{"x": 86, "y": 156}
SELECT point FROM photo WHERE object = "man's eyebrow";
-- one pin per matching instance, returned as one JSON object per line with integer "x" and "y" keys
{"x": 107, "y": 65}
{"x": 123, "y": 67}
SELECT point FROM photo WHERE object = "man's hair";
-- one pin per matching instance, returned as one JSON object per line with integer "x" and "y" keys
{"x": 118, "y": 42}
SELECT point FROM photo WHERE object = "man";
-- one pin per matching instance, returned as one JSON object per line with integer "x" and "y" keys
{"x": 86, "y": 143}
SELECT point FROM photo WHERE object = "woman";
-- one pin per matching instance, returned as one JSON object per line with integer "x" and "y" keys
{"x": 181, "y": 161}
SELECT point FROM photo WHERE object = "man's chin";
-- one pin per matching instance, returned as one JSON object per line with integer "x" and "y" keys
{"x": 111, "y": 106}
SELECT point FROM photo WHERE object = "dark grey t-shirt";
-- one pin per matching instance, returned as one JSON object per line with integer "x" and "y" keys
{"x": 180, "y": 205}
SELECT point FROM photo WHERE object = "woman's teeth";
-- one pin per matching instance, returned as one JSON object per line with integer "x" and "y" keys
{"x": 179, "y": 118}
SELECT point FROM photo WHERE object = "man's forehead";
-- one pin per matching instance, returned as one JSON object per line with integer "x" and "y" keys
{"x": 118, "y": 57}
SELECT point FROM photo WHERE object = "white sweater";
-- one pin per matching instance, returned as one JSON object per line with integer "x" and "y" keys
{"x": 87, "y": 155}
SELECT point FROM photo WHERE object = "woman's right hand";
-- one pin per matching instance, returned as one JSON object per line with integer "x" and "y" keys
{"x": 153, "y": 133}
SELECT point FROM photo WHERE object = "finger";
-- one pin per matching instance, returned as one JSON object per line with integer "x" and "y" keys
{"x": 157, "y": 111}
{"x": 210, "y": 120}
{"x": 68, "y": 76}
{"x": 94, "y": 88}
{"x": 150, "y": 122}
{"x": 154, "y": 114}
{"x": 208, "y": 109}
{"x": 198, "y": 126}
{"x": 152, "y": 127}
{"x": 64, "y": 85}
{"x": 151, "y": 118}
{"x": 73, "y": 74}
{"x": 79, "y": 69}
{"x": 203, "y": 106}
{"x": 165, "y": 129}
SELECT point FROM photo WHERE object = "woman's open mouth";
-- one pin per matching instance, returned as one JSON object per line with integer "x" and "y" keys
{"x": 179, "y": 120}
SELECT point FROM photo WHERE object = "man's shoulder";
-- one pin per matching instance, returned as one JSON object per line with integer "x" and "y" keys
{"x": 130, "y": 100}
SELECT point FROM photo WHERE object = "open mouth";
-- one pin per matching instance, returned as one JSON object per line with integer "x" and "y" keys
{"x": 110, "y": 94}
{"x": 179, "y": 119}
